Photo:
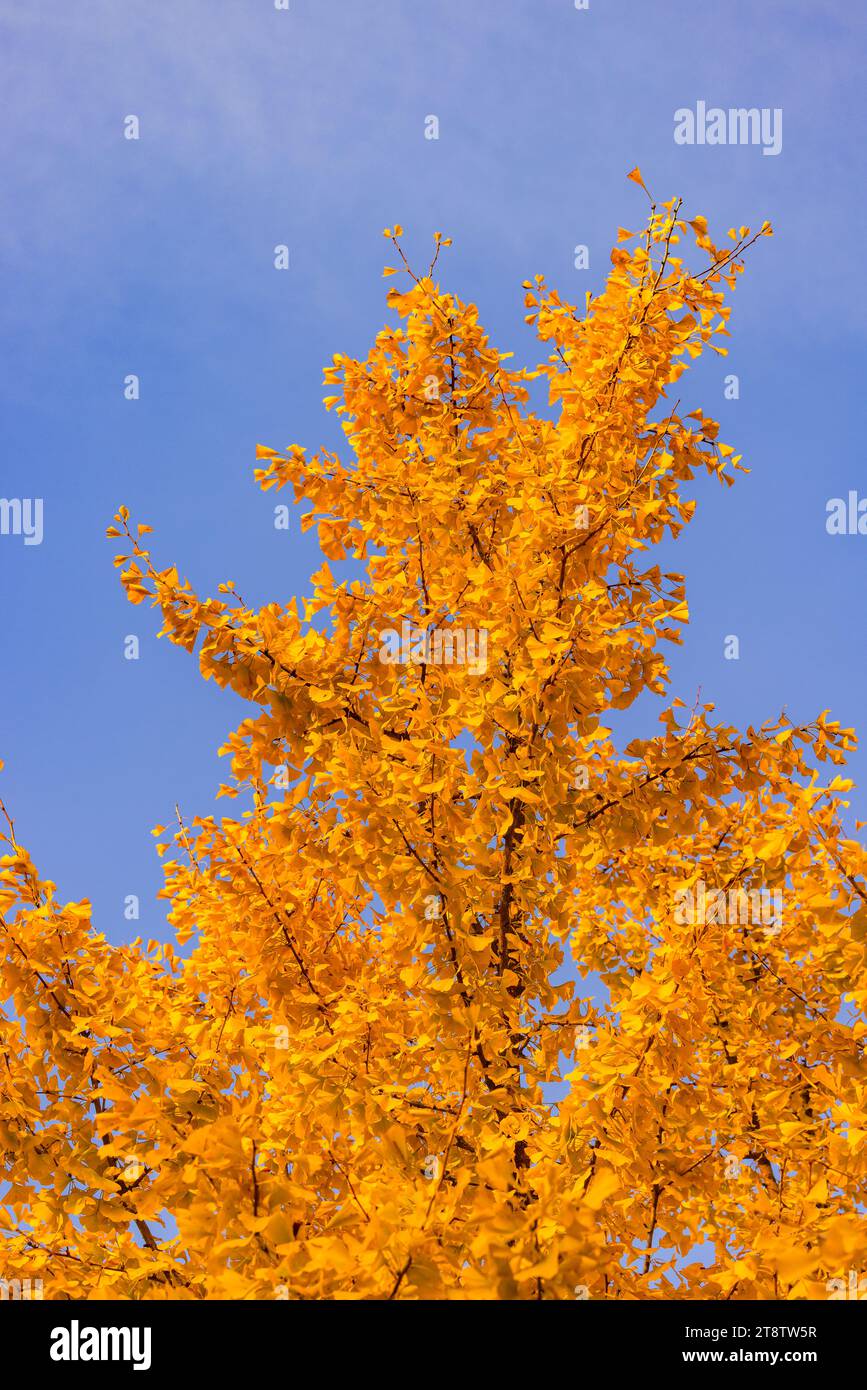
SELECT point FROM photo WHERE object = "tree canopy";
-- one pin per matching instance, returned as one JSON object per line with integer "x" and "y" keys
{"x": 370, "y": 1066}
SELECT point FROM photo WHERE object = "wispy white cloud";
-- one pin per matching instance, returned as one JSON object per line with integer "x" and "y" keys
{"x": 316, "y": 113}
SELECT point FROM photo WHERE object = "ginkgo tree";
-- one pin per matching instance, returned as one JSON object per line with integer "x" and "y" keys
{"x": 437, "y": 1022}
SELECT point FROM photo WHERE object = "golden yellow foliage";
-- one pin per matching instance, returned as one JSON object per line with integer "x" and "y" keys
{"x": 343, "y": 1088}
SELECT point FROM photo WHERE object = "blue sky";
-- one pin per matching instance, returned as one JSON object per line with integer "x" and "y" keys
{"x": 306, "y": 127}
